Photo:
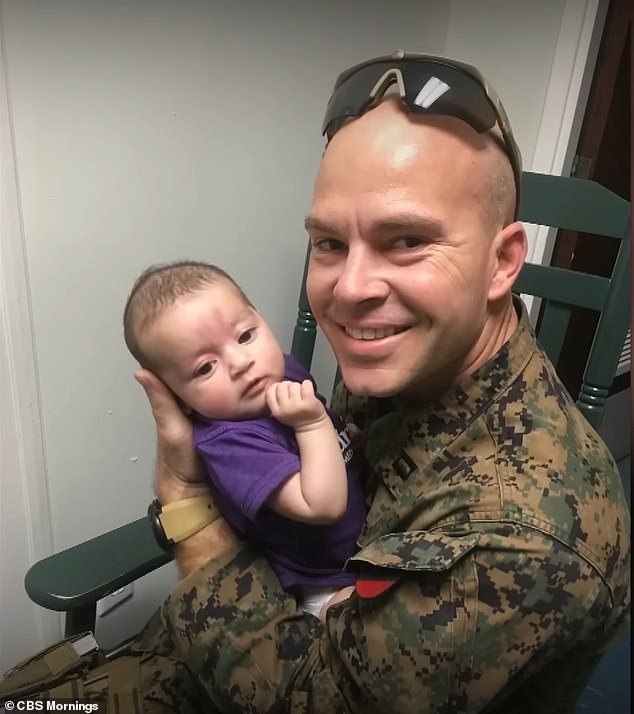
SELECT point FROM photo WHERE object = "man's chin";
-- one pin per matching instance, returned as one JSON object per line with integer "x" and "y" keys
{"x": 363, "y": 383}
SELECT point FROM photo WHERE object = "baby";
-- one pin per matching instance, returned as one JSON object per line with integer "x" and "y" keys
{"x": 281, "y": 464}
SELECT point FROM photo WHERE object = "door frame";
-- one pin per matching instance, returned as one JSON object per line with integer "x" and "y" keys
{"x": 567, "y": 94}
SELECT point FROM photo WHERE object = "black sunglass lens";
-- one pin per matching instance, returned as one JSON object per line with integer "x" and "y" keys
{"x": 430, "y": 87}
{"x": 351, "y": 97}
{"x": 443, "y": 90}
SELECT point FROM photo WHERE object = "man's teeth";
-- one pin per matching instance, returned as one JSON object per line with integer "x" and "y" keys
{"x": 370, "y": 334}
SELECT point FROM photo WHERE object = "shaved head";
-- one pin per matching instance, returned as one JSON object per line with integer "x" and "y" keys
{"x": 498, "y": 187}
{"x": 396, "y": 135}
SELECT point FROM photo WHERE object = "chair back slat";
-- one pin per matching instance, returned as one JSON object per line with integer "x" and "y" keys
{"x": 562, "y": 285}
{"x": 574, "y": 204}
{"x": 586, "y": 207}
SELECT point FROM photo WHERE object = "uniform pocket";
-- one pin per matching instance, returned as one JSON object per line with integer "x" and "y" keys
{"x": 394, "y": 556}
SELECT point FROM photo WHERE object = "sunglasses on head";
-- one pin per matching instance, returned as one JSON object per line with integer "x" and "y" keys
{"x": 428, "y": 85}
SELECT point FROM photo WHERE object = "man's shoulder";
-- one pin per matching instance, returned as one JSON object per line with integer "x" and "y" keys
{"x": 538, "y": 426}
{"x": 529, "y": 456}
{"x": 555, "y": 470}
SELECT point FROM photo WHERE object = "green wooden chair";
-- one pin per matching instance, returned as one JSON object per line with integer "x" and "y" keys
{"x": 73, "y": 580}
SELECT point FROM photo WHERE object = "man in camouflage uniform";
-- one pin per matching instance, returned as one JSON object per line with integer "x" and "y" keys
{"x": 493, "y": 568}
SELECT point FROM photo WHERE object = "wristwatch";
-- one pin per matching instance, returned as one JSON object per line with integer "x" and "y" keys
{"x": 177, "y": 521}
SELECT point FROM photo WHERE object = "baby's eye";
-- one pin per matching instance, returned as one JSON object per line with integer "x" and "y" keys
{"x": 204, "y": 369}
{"x": 246, "y": 337}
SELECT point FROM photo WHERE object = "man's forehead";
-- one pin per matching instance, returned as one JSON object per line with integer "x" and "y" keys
{"x": 432, "y": 160}
{"x": 389, "y": 132}
{"x": 394, "y": 162}
{"x": 426, "y": 184}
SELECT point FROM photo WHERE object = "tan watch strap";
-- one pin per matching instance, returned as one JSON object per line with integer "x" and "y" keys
{"x": 181, "y": 519}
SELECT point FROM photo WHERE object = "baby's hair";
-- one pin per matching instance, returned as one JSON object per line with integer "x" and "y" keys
{"x": 158, "y": 288}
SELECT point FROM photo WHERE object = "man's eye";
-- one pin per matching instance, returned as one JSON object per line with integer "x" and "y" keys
{"x": 204, "y": 369}
{"x": 327, "y": 245}
{"x": 246, "y": 337}
{"x": 408, "y": 242}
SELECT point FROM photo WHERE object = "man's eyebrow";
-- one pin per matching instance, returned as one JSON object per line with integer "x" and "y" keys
{"x": 432, "y": 227}
{"x": 318, "y": 225}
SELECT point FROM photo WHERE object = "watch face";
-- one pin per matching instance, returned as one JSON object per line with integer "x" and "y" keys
{"x": 153, "y": 514}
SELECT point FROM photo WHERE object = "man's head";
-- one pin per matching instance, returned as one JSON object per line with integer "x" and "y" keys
{"x": 429, "y": 85}
{"x": 192, "y": 325}
{"x": 414, "y": 248}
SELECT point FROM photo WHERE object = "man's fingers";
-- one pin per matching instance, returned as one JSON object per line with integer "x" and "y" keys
{"x": 160, "y": 398}
{"x": 168, "y": 415}
{"x": 155, "y": 390}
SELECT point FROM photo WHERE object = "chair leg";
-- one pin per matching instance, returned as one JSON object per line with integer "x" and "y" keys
{"x": 80, "y": 619}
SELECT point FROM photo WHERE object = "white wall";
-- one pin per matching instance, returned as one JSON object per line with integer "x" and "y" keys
{"x": 512, "y": 42}
{"x": 144, "y": 131}
{"x": 25, "y": 531}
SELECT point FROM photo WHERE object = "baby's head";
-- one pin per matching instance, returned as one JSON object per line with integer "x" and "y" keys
{"x": 191, "y": 324}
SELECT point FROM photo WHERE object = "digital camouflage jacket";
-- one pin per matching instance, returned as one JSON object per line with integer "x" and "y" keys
{"x": 494, "y": 568}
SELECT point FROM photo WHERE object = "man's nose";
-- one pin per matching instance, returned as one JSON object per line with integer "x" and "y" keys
{"x": 361, "y": 278}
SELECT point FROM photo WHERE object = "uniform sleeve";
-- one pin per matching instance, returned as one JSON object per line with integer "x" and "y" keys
{"x": 248, "y": 464}
{"x": 456, "y": 623}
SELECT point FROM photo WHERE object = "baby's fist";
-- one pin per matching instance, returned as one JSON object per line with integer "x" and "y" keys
{"x": 295, "y": 404}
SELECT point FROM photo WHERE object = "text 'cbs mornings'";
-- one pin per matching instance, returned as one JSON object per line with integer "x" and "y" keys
{"x": 53, "y": 705}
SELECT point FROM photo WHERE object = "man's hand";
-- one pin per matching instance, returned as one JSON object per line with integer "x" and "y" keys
{"x": 295, "y": 405}
{"x": 178, "y": 472}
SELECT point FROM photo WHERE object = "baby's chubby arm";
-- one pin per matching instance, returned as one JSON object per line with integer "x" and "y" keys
{"x": 318, "y": 493}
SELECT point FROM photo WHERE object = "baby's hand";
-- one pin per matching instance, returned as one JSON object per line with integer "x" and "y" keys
{"x": 295, "y": 404}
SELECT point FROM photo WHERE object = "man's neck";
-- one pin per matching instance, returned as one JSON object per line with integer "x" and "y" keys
{"x": 499, "y": 327}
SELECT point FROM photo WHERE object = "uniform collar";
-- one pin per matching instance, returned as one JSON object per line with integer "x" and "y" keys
{"x": 435, "y": 424}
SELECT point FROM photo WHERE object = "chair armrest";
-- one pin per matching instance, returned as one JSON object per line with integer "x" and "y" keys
{"x": 81, "y": 575}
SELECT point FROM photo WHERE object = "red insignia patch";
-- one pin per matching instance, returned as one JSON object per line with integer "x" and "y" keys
{"x": 372, "y": 588}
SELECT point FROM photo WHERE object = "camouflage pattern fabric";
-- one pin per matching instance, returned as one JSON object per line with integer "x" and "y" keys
{"x": 497, "y": 519}
{"x": 76, "y": 669}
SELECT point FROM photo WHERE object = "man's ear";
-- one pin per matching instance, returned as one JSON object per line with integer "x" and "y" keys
{"x": 509, "y": 253}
